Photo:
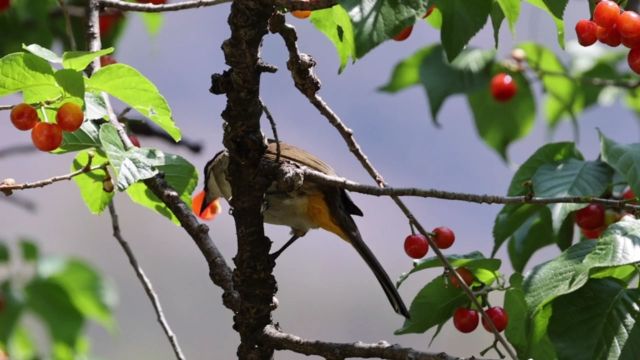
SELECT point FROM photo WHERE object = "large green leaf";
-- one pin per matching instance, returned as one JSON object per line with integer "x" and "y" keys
{"x": 570, "y": 178}
{"x": 441, "y": 79}
{"x": 79, "y": 60}
{"x": 86, "y": 137}
{"x": 511, "y": 11}
{"x": 375, "y": 21}
{"x": 432, "y": 306}
{"x": 599, "y": 321}
{"x": 10, "y": 315}
{"x": 501, "y": 123}
{"x": 553, "y": 11}
{"x": 91, "y": 183}
{"x": 562, "y": 91}
{"x": 624, "y": 158}
{"x": 43, "y": 53}
{"x": 619, "y": 245}
{"x": 534, "y": 234}
{"x": 461, "y": 20}
{"x": 335, "y": 24}
{"x": 132, "y": 88}
{"x": 30, "y": 74}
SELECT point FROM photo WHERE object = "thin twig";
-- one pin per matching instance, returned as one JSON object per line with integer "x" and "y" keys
{"x": 219, "y": 271}
{"x": 67, "y": 25}
{"x": 330, "y": 350}
{"x": 130, "y": 6}
{"x": 274, "y": 128}
{"x": 146, "y": 283}
{"x": 6, "y": 107}
{"x": 7, "y": 188}
{"x": 301, "y": 67}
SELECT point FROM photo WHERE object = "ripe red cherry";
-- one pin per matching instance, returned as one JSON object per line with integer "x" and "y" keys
{"x": 631, "y": 43}
{"x": 586, "y": 31}
{"x": 301, "y": 14}
{"x": 404, "y": 34}
{"x": 628, "y": 24}
{"x": 503, "y": 87}
{"x": 107, "y": 60}
{"x": 444, "y": 237}
{"x": 69, "y": 117}
{"x": 590, "y": 217}
{"x": 46, "y": 137}
{"x": 498, "y": 317}
{"x": 465, "y": 320}
{"x": 416, "y": 246}
{"x": 592, "y": 234}
{"x": 609, "y": 36}
{"x": 108, "y": 21}
{"x": 4, "y": 5}
{"x": 606, "y": 13}
{"x": 628, "y": 194}
{"x": 633, "y": 59}
{"x": 24, "y": 117}
{"x": 465, "y": 274}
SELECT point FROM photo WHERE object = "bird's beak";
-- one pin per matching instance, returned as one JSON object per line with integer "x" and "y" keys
{"x": 208, "y": 199}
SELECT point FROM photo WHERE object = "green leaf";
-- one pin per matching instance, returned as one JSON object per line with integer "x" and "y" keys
{"x": 432, "y": 306}
{"x": 91, "y": 183}
{"x": 461, "y": 20}
{"x": 435, "y": 19}
{"x": 72, "y": 82}
{"x": 468, "y": 72}
{"x": 534, "y": 234}
{"x": 95, "y": 106}
{"x": 552, "y": 11}
{"x": 623, "y": 158}
{"x": 132, "y": 88}
{"x": 547, "y": 154}
{"x": 86, "y": 137}
{"x": 30, "y": 74}
{"x": 375, "y": 21}
{"x": 29, "y": 250}
{"x": 10, "y": 316}
{"x": 562, "y": 90}
{"x": 335, "y": 24}
{"x": 619, "y": 245}
{"x": 516, "y": 306}
{"x": 599, "y": 321}
{"x": 79, "y": 60}
{"x": 472, "y": 261}
{"x": 501, "y": 123}
{"x": 152, "y": 22}
{"x": 511, "y": 10}
{"x": 87, "y": 291}
{"x": 112, "y": 145}
{"x": 43, "y": 53}
{"x": 497, "y": 16}
{"x": 21, "y": 345}
{"x": 5, "y": 254}
{"x": 570, "y": 178}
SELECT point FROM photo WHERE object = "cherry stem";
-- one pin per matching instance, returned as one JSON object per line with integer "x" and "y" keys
{"x": 44, "y": 113}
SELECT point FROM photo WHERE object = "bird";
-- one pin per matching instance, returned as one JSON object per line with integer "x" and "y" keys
{"x": 310, "y": 206}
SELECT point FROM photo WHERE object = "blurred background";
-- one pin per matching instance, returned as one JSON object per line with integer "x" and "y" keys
{"x": 325, "y": 290}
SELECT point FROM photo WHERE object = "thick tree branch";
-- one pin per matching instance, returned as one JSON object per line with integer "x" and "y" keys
{"x": 145, "y": 282}
{"x": 219, "y": 271}
{"x": 301, "y": 67}
{"x": 131, "y": 6}
{"x": 330, "y": 350}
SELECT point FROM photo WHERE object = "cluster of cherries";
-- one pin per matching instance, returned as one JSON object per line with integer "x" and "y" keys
{"x": 594, "y": 219}
{"x": 417, "y": 246}
{"x": 47, "y": 136}
{"x": 612, "y": 27}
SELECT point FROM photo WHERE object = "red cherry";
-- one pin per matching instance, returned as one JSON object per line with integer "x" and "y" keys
{"x": 134, "y": 140}
{"x": 593, "y": 234}
{"x": 444, "y": 237}
{"x": 465, "y": 274}
{"x": 46, "y": 137}
{"x": 301, "y": 14}
{"x": 210, "y": 211}
{"x": 628, "y": 24}
{"x": 606, "y": 13}
{"x": 503, "y": 87}
{"x": 465, "y": 320}
{"x": 108, "y": 21}
{"x": 24, "y": 117}
{"x": 107, "y": 60}
{"x": 429, "y": 11}
{"x": 631, "y": 43}
{"x": 404, "y": 34}
{"x": 586, "y": 31}
{"x": 633, "y": 59}
{"x": 4, "y": 5}
{"x": 70, "y": 117}
{"x": 416, "y": 246}
{"x": 590, "y": 217}
{"x": 609, "y": 36}
{"x": 498, "y": 317}
{"x": 628, "y": 194}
